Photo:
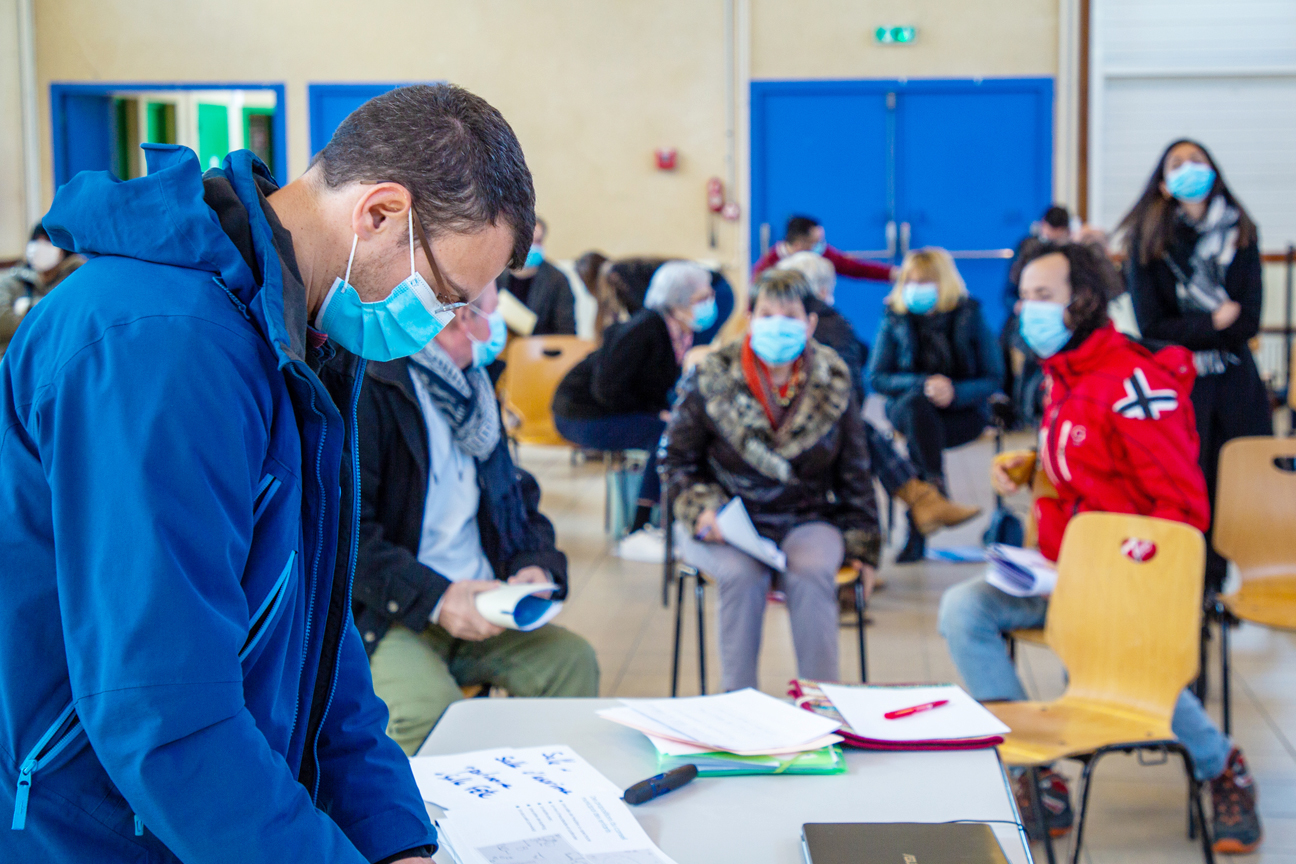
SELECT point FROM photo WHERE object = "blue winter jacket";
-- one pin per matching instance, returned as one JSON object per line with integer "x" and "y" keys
{"x": 179, "y": 675}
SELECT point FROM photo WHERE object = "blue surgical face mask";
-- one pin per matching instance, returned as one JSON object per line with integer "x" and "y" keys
{"x": 484, "y": 353}
{"x": 397, "y": 326}
{"x": 920, "y": 297}
{"x": 1043, "y": 326}
{"x": 1191, "y": 182}
{"x": 778, "y": 339}
{"x": 820, "y": 248}
{"x": 535, "y": 256}
{"x": 704, "y": 314}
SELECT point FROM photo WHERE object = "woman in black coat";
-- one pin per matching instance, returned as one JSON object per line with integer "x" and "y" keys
{"x": 617, "y": 397}
{"x": 1193, "y": 270}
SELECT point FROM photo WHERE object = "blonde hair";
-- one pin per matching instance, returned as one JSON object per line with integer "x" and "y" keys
{"x": 931, "y": 264}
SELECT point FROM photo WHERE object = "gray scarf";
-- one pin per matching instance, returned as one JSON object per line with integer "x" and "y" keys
{"x": 1200, "y": 287}
{"x": 465, "y": 399}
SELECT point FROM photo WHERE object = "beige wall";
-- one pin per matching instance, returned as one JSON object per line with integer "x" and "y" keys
{"x": 590, "y": 86}
{"x": 13, "y": 221}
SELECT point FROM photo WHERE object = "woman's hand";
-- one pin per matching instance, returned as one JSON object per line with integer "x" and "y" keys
{"x": 1006, "y": 467}
{"x": 707, "y": 528}
{"x": 939, "y": 390}
{"x": 1226, "y": 314}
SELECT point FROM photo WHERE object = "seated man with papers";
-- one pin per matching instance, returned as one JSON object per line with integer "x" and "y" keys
{"x": 1117, "y": 436}
{"x": 444, "y": 514}
{"x": 771, "y": 424}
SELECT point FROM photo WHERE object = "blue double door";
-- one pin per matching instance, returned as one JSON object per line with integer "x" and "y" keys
{"x": 891, "y": 165}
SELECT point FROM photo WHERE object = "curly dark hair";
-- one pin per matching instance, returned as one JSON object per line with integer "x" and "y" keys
{"x": 1094, "y": 282}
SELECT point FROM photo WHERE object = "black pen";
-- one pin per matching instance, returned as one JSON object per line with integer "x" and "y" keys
{"x": 646, "y": 790}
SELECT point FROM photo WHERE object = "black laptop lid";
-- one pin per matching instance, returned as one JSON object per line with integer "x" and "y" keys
{"x": 900, "y": 843}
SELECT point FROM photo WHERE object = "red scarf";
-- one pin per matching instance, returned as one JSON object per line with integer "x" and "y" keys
{"x": 756, "y": 374}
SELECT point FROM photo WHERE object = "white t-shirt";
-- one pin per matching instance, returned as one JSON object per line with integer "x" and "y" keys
{"x": 451, "y": 542}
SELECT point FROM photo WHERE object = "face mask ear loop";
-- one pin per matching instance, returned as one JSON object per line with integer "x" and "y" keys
{"x": 355, "y": 238}
{"x": 410, "y": 228}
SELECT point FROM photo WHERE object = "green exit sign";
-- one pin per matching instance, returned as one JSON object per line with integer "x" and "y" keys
{"x": 895, "y": 35}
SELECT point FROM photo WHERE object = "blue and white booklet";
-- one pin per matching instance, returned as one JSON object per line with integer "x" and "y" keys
{"x": 1020, "y": 572}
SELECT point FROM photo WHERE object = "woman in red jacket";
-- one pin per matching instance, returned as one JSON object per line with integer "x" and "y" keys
{"x": 1118, "y": 436}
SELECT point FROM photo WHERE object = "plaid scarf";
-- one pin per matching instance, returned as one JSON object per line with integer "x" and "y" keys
{"x": 465, "y": 399}
{"x": 1199, "y": 276}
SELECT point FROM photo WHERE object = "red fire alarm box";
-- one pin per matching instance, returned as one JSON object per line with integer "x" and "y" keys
{"x": 667, "y": 157}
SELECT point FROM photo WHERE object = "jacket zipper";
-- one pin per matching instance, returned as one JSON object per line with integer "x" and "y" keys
{"x": 354, "y": 552}
{"x": 65, "y": 729}
{"x": 268, "y": 609}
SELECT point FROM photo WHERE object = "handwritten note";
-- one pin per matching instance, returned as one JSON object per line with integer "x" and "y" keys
{"x": 506, "y": 775}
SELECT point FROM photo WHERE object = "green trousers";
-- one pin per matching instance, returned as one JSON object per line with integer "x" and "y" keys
{"x": 418, "y": 675}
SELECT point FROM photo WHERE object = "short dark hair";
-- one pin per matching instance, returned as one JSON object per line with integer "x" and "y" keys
{"x": 1057, "y": 217}
{"x": 799, "y": 227}
{"x": 1094, "y": 282}
{"x": 780, "y": 286}
{"x": 456, "y": 155}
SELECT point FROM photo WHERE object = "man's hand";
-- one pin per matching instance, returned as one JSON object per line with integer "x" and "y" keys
{"x": 459, "y": 616}
{"x": 1226, "y": 314}
{"x": 1006, "y": 466}
{"x": 939, "y": 390}
{"x": 707, "y": 528}
{"x": 532, "y": 575}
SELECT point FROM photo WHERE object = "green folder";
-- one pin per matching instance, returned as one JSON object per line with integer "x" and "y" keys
{"x": 826, "y": 760}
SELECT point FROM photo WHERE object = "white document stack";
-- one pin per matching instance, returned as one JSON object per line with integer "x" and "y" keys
{"x": 538, "y": 805}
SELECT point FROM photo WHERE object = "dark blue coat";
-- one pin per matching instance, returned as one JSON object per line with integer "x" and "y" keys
{"x": 893, "y": 365}
{"x": 179, "y": 675}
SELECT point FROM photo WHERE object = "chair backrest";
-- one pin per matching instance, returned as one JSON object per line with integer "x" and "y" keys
{"x": 1255, "y": 506}
{"x": 1125, "y": 617}
{"x": 536, "y": 366}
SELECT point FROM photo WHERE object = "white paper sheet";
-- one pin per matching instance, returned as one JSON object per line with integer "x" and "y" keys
{"x": 739, "y": 532}
{"x": 657, "y": 732}
{"x": 1020, "y": 572}
{"x": 590, "y": 829}
{"x": 507, "y": 776}
{"x": 745, "y": 721}
{"x": 963, "y": 717}
{"x": 513, "y": 606}
{"x": 517, "y": 315}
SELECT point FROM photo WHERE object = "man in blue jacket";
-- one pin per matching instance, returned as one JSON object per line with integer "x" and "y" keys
{"x": 180, "y": 679}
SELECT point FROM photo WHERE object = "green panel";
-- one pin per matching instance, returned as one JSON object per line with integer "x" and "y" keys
{"x": 161, "y": 123}
{"x": 213, "y": 135}
{"x": 258, "y": 133}
{"x": 121, "y": 139}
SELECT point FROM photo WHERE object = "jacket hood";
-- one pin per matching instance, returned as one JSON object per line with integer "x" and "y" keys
{"x": 162, "y": 218}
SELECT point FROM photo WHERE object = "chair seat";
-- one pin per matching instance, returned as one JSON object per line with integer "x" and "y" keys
{"x": 1271, "y": 602}
{"x": 1034, "y": 636}
{"x": 1044, "y": 732}
{"x": 847, "y": 575}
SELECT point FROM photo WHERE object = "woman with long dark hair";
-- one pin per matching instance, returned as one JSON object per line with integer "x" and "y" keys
{"x": 1193, "y": 271}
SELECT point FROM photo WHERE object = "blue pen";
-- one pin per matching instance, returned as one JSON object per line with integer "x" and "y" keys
{"x": 647, "y": 790}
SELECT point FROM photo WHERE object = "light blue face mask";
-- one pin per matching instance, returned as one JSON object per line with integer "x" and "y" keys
{"x": 778, "y": 339}
{"x": 920, "y": 297}
{"x": 397, "y": 326}
{"x": 1043, "y": 326}
{"x": 704, "y": 314}
{"x": 1191, "y": 182}
{"x": 820, "y": 248}
{"x": 535, "y": 256}
{"x": 484, "y": 353}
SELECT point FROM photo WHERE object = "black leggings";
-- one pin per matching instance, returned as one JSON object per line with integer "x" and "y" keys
{"x": 931, "y": 430}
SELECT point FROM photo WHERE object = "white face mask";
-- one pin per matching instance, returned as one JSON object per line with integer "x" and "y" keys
{"x": 43, "y": 255}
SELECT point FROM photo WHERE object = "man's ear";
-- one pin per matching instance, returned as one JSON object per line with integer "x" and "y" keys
{"x": 812, "y": 320}
{"x": 381, "y": 208}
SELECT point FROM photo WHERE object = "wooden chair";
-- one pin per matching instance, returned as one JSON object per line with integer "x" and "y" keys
{"x": 680, "y": 573}
{"x": 1124, "y": 618}
{"x": 536, "y": 366}
{"x": 1255, "y": 512}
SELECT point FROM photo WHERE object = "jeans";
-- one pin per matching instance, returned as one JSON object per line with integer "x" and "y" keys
{"x": 890, "y": 468}
{"x": 931, "y": 430}
{"x": 620, "y": 432}
{"x": 973, "y": 617}
{"x": 814, "y": 555}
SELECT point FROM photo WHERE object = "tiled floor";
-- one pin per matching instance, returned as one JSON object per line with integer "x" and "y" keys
{"x": 1138, "y": 812}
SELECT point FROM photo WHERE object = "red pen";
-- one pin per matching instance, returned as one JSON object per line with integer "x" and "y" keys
{"x": 917, "y": 709}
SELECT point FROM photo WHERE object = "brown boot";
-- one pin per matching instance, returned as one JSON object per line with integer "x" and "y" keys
{"x": 932, "y": 511}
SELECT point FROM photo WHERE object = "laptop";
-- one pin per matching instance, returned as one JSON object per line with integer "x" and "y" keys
{"x": 900, "y": 843}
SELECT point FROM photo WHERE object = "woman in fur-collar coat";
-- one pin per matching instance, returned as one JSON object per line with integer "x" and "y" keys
{"x": 772, "y": 421}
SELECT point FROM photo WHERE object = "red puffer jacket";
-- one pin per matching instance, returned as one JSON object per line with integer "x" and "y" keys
{"x": 1119, "y": 435}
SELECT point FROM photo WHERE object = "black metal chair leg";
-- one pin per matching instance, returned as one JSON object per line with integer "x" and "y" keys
{"x": 1200, "y": 685}
{"x": 859, "y": 620}
{"x": 1085, "y": 777}
{"x": 699, "y": 592}
{"x": 1037, "y": 808}
{"x": 679, "y": 626}
{"x": 1226, "y": 694}
{"x": 1198, "y": 810}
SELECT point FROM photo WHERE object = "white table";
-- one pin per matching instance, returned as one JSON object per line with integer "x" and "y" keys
{"x": 747, "y": 819}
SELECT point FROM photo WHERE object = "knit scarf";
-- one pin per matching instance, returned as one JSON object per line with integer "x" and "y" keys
{"x": 465, "y": 399}
{"x": 1199, "y": 276}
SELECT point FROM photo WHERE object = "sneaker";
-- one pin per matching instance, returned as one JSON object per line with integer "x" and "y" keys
{"x": 648, "y": 544}
{"x": 1055, "y": 798}
{"x": 1235, "y": 822}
